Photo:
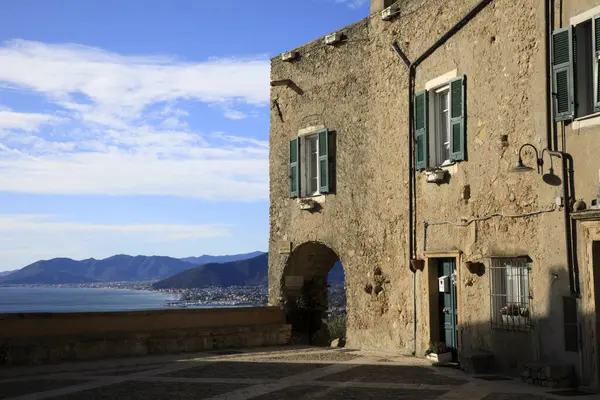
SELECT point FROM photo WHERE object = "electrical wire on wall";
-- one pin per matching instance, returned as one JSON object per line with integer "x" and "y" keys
{"x": 426, "y": 224}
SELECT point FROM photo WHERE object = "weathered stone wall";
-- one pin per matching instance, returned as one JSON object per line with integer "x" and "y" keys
{"x": 358, "y": 89}
{"x": 49, "y": 337}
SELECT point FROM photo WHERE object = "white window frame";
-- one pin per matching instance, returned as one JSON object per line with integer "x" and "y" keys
{"x": 435, "y": 87}
{"x": 437, "y": 137}
{"x": 307, "y": 171}
{"x": 305, "y": 134}
{"x": 592, "y": 119}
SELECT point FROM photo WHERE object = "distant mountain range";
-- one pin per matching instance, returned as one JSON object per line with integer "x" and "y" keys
{"x": 4, "y": 273}
{"x": 206, "y": 259}
{"x": 118, "y": 268}
{"x": 253, "y": 271}
{"x": 241, "y": 272}
{"x": 171, "y": 273}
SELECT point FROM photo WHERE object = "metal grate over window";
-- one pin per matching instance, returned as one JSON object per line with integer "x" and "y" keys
{"x": 509, "y": 291}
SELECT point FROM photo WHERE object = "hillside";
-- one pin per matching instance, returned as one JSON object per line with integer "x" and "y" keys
{"x": 112, "y": 269}
{"x": 207, "y": 259}
{"x": 253, "y": 271}
{"x": 118, "y": 268}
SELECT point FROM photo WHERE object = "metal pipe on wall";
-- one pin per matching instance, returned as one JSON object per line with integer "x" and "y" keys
{"x": 412, "y": 198}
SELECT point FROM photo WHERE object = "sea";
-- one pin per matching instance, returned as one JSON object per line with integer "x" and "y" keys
{"x": 60, "y": 299}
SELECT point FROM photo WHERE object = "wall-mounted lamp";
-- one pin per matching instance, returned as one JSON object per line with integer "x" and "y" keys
{"x": 550, "y": 178}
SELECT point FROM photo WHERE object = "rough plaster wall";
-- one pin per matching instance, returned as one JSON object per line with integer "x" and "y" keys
{"x": 363, "y": 221}
{"x": 359, "y": 89}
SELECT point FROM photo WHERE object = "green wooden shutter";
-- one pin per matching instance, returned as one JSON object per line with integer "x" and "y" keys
{"x": 421, "y": 139}
{"x": 295, "y": 167}
{"x": 324, "y": 161}
{"x": 562, "y": 74}
{"x": 457, "y": 119}
{"x": 596, "y": 39}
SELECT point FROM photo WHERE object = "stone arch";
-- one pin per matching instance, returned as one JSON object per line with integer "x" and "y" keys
{"x": 304, "y": 287}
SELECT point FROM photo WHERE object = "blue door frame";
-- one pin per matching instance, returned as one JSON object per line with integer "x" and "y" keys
{"x": 448, "y": 305}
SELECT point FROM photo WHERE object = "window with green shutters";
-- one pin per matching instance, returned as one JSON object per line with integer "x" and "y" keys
{"x": 439, "y": 123}
{"x": 457, "y": 119}
{"x": 562, "y": 74}
{"x": 421, "y": 148}
{"x": 596, "y": 61}
{"x": 575, "y": 64}
{"x": 310, "y": 165}
{"x": 324, "y": 161}
{"x": 295, "y": 167}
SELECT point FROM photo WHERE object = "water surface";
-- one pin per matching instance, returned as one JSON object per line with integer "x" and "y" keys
{"x": 49, "y": 299}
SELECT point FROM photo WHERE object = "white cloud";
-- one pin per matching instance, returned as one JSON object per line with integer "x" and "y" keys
{"x": 353, "y": 3}
{"x": 24, "y": 121}
{"x": 121, "y": 127}
{"x": 233, "y": 174}
{"x": 122, "y": 86}
{"x": 234, "y": 114}
{"x": 29, "y": 223}
{"x": 25, "y": 238}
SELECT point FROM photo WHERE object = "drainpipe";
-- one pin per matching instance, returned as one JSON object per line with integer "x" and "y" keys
{"x": 567, "y": 160}
{"x": 548, "y": 35}
{"x": 567, "y": 178}
{"x": 552, "y": 145}
{"x": 412, "y": 178}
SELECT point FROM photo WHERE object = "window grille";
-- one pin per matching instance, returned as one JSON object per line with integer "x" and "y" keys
{"x": 509, "y": 291}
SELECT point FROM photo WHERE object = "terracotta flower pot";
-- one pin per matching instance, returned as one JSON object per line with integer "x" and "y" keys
{"x": 417, "y": 264}
{"x": 474, "y": 267}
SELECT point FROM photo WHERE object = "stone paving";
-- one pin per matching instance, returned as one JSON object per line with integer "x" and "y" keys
{"x": 289, "y": 373}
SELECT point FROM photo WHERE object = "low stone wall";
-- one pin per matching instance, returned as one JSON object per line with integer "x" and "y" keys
{"x": 40, "y": 338}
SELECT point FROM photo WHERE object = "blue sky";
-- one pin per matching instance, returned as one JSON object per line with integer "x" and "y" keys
{"x": 141, "y": 126}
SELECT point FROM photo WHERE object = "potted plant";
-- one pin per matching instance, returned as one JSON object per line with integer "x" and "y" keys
{"x": 514, "y": 315}
{"x": 435, "y": 174}
{"x": 438, "y": 352}
{"x": 306, "y": 204}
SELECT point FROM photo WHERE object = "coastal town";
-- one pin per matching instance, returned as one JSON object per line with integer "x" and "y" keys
{"x": 211, "y": 296}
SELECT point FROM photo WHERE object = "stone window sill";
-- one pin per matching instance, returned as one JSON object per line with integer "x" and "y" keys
{"x": 319, "y": 198}
{"x": 586, "y": 121}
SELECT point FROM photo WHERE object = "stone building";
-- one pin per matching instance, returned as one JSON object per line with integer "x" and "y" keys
{"x": 394, "y": 143}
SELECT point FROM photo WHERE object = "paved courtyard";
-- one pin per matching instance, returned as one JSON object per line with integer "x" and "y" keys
{"x": 264, "y": 374}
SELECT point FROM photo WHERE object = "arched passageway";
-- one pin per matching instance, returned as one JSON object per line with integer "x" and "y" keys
{"x": 314, "y": 294}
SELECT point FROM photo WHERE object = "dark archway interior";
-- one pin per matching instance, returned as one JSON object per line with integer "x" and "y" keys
{"x": 312, "y": 275}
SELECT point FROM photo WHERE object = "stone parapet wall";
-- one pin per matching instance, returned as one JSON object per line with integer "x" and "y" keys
{"x": 54, "y": 337}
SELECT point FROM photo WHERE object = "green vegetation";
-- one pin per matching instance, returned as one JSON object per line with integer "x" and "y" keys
{"x": 337, "y": 327}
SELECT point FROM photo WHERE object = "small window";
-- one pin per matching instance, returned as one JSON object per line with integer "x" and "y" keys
{"x": 309, "y": 165}
{"x": 584, "y": 70}
{"x": 575, "y": 61}
{"x": 439, "y": 124}
{"x": 509, "y": 286}
{"x": 441, "y": 137}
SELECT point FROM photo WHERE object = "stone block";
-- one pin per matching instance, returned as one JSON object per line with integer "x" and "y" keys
{"x": 23, "y": 351}
{"x": 558, "y": 371}
{"x": 477, "y": 363}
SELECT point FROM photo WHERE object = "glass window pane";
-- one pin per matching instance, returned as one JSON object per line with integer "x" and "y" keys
{"x": 445, "y": 128}
{"x": 313, "y": 160}
{"x": 442, "y": 127}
